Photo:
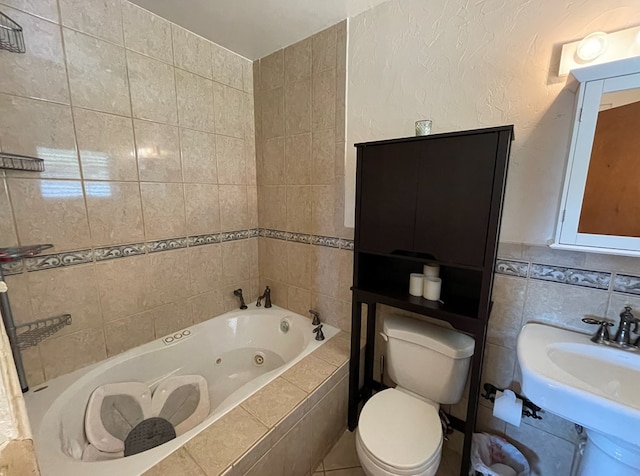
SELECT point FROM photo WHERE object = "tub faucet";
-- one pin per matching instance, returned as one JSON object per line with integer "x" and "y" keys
{"x": 238, "y": 292}
{"x": 316, "y": 317}
{"x": 623, "y": 335}
{"x": 318, "y": 332}
{"x": 267, "y": 298}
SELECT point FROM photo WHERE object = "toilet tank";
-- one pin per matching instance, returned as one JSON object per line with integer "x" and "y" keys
{"x": 426, "y": 359}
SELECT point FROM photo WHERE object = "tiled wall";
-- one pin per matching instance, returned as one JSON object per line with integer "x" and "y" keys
{"x": 147, "y": 132}
{"x": 305, "y": 251}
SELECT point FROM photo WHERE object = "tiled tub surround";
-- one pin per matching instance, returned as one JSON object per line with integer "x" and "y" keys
{"x": 147, "y": 132}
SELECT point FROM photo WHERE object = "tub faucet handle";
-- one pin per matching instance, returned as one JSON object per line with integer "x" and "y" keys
{"x": 238, "y": 293}
{"x": 318, "y": 332}
{"x": 316, "y": 317}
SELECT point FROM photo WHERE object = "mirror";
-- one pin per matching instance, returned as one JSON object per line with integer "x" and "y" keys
{"x": 600, "y": 208}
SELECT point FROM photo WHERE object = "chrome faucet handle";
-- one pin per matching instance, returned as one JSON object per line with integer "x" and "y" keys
{"x": 602, "y": 334}
{"x": 316, "y": 317}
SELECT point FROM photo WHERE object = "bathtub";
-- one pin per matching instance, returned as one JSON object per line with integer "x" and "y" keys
{"x": 238, "y": 353}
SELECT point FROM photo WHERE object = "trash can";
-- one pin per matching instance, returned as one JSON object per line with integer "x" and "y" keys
{"x": 492, "y": 455}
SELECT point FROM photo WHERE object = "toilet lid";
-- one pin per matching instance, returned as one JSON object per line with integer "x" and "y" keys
{"x": 400, "y": 430}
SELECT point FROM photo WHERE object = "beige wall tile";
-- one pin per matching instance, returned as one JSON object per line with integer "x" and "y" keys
{"x": 170, "y": 318}
{"x": 323, "y": 107}
{"x": 271, "y": 166}
{"x": 341, "y": 46}
{"x": 254, "y": 258}
{"x": 273, "y": 259}
{"x": 158, "y": 151}
{"x": 115, "y": 212}
{"x": 236, "y": 261}
{"x": 205, "y": 306}
{"x": 299, "y": 203}
{"x": 297, "y": 157}
{"x": 19, "y": 457}
{"x": 272, "y": 71}
{"x": 205, "y": 267}
{"x": 153, "y": 89}
{"x": 227, "y": 67}
{"x": 272, "y": 207}
{"x": 146, "y": 33}
{"x": 195, "y": 101}
{"x": 105, "y": 20}
{"x": 232, "y": 435}
{"x": 124, "y": 286}
{"x": 251, "y": 164}
{"x": 272, "y": 105}
{"x": 506, "y": 314}
{"x": 169, "y": 273}
{"x": 43, "y": 8}
{"x": 324, "y": 50}
{"x": 40, "y": 72}
{"x": 297, "y": 61}
{"x": 298, "y": 300}
{"x": 498, "y": 366}
{"x": 299, "y": 264}
{"x": 106, "y": 146}
{"x": 163, "y": 210}
{"x": 127, "y": 333}
{"x": 252, "y": 205}
{"x": 340, "y": 154}
{"x": 18, "y": 285}
{"x": 231, "y": 159}
{"x": 198, "y": 156}
{"x": 323, "y": 152}
{"x": 273, "y": 401}
{"x": 72, "y": 290}
{"x": 229, "y": 110}
{"x": 333, "y": 311}
{"x": 33, "y": 366}
{"x": 191, "y": 52}
{"x": 8, "y": 236}
{"x": 324, "y": 207}
{"x": 97, "y": 74}
{"x": 297, "y": 107}
{"x": 247, "y": 76}
{"x": 39, "y": 129}
{"x": 202, "y": 208}
{"x": 546, "y": 454}
{"x": 50, "y": 211}
{"x": 309, "y": 373}
{"x": 234, "y": 209}
{"x": 88, "y": 347}
{"x": 179, "y": 462}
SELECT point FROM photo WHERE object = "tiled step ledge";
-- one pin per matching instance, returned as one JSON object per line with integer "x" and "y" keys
{"x": 287, "y": 427}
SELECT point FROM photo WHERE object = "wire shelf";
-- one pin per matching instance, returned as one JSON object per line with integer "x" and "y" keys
{"x": 20, "y": 162}
{"x": 11, "y": 37}
{"x": 33, "y": 333}
{"x": 19, "y": 252}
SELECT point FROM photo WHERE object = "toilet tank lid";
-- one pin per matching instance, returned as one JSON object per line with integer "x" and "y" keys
{"x": 448, "y": 342}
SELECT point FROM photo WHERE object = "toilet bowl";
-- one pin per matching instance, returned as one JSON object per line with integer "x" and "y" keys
{"x": 399, "y": 434}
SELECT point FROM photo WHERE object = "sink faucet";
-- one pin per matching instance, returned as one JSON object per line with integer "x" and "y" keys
{"x": 267, "y": 298}
{"x": 623, "y": 335}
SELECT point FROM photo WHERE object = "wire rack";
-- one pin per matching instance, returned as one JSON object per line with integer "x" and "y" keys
{"x": 33, "y": 333}
{"x": 11, "y": 37}
{"x": 21, "y": 162}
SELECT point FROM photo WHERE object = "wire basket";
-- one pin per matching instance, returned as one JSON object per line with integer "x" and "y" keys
{"x": 33, "y": 333}
{"x": 11, "y": 37}
{"x": 21, "y": 162}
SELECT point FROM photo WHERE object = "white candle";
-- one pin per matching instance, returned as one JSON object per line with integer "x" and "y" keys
{"x": 416, "y": 284}
{"x": 431, "y": 270}
{"x": 431, "y": 290}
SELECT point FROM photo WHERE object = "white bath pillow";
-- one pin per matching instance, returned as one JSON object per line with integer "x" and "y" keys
{"x": 182, "y": 400}
{"x": 113, "y": 411}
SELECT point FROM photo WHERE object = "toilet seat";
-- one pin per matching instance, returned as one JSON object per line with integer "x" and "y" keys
{"x": 400, "y": 433}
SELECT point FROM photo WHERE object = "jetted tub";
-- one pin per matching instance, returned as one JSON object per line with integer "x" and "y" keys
{"x": 237, "y": 353}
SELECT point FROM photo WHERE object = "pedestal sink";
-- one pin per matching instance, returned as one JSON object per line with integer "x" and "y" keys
{"x": 593, "y": 385}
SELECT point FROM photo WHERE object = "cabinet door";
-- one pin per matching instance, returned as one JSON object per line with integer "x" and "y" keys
{"x": 454, "y": 197}
{"x": 388, "y": 180}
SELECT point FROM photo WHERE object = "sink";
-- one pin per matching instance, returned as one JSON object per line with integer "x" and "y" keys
{"x": 593, "y": 385}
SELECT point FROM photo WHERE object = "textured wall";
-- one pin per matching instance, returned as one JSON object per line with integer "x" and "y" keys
{"x": 476, "y": 64}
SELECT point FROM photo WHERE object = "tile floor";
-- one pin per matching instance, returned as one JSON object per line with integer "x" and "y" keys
{"x": 342, "y": 460}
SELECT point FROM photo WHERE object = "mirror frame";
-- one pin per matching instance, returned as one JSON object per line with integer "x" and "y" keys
{"x": 594, "y": 81}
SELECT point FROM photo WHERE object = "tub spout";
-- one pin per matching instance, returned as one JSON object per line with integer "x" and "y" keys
{"x": 238, "y": 292}
{"x": 267, "y": 298}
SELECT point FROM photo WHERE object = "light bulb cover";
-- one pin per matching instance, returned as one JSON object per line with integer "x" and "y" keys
{"x": 592, "y": 46}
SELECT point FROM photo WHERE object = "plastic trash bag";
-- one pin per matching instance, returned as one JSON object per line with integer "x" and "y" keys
{"x": 492, "y": 455}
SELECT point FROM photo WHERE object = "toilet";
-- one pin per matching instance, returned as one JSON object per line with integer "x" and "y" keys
{"x": 399, "y": 431}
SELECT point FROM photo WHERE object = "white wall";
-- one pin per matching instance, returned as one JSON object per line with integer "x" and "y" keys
{"x": 476, "y": 64}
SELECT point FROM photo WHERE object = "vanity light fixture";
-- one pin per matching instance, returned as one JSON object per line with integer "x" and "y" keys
{"x": 592, "y": 46}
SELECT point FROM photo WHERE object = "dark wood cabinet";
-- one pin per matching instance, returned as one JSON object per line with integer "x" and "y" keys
{"x": 432, "y": 199}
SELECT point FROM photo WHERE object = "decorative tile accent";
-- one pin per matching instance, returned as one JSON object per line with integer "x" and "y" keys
{"x": 58, "y": 260}
{"x": 164, "y": 245}
{"x": 623, "y": 283}
{"x": 254, "y": 232}
{"x": 234, "y": 235}
{"x": 346, "y": 244}
{"x": 12, "y": 267}
{"x": 198, "y": 240}
{"x": 121, "y": 251}
{"x": 578, "y": 277}
{"x": 512, "y": 268}
{"x": 330, "y": 241}
{"x": 300, "y": 237}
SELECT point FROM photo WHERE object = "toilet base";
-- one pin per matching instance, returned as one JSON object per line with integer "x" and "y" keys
{"x": 605, "y": 454}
